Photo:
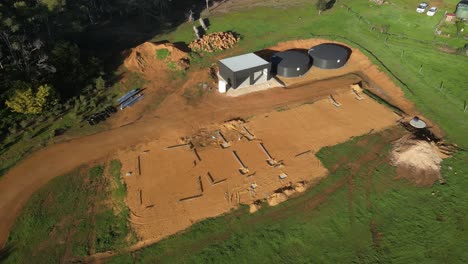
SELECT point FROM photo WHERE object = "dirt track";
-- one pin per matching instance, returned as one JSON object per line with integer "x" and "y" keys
{"x": 172, "y": 119}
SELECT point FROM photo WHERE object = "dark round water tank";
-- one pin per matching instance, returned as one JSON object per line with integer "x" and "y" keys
{"x": 329, "y": 55}
{"x": 290, "y": 63}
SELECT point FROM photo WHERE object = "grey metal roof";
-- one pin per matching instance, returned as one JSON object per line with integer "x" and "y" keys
{"x": 243, "y": 62}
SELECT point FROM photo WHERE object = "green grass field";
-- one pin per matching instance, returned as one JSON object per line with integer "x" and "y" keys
{"x": 358, "y": 214}
{"x": 73, "y": 216}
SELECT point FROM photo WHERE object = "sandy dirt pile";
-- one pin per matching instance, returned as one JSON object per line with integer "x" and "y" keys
{"x": 143, "y": 58}
{"x": 214, "y": 41}
{"x": 276, "y": 199}
{"x": 418, "y": 161}
{"x": 157, "y": 64}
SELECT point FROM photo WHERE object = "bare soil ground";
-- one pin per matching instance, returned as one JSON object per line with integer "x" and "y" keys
{"x": 174, "y": 119}
{"x": 169, "y": 175}
{"x": 161, "y": 74}
{"x": 417, "y": 161}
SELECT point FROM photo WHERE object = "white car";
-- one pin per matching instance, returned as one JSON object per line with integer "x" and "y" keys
{"x": 422, "y": 7}
{"x": 432, "y": 11}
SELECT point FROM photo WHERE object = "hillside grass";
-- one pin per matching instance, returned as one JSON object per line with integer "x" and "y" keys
{"x": 359, "y": 214}
{"x": 77, "y": 214}
{"x": 412, "y": 52}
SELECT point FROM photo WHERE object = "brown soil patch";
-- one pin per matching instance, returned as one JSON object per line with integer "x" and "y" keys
{"x": 143, "y": 58}
{"x": 160, "y": 74}
{"x": 285, "y": 134}
{"x": 171, "y": 188}
{"x": 376, "y": 235}
{"x": 417, "y": 161}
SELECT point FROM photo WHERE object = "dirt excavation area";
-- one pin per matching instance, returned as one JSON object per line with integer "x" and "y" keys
{"x": 271, "y": 153}
{"x": 175, "y": 181}
{"x": 418, "y": 161}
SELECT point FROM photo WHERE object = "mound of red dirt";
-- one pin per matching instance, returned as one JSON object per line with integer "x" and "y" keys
{"x": 144, "y": 58}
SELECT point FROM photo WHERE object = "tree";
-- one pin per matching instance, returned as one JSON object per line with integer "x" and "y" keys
{"x": 100, "y": 84}
{"x": 26, "y": 102}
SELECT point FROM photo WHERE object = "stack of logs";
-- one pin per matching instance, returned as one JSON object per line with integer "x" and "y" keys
{"x": 214, "y": 41}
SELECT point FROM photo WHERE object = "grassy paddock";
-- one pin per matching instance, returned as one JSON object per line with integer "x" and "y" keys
{"x": 358, "y": 214}
{"x": 80, "y": 213}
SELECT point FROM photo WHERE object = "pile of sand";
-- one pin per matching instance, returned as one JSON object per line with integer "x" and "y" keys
{"x": 416, "y": 160}
{"x": 300, "y": 187}
{"x": 254, "y": 207}
{"x": 214, "y": 41}
{"x": 276, "y": 199}
{"x": 143, "y": 58}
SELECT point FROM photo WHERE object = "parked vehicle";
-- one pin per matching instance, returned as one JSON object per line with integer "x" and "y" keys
{"x": 432, "y": 11}
{"x": 422, "y": 7}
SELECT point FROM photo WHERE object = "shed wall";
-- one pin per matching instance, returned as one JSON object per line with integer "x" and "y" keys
{"x": 243, "y": 78}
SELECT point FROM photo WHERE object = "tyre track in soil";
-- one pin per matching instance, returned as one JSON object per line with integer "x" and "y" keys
{"x": 375, "y": 153}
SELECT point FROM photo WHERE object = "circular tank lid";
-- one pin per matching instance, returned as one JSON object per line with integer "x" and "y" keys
{"x": 290, "y": 58}
{"x": 329, "y": 51}
{"x": 417, "y": 123}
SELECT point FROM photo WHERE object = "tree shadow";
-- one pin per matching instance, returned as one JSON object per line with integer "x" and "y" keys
{"x": 330, "y": 4}
{"x": 5, "y": 252}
